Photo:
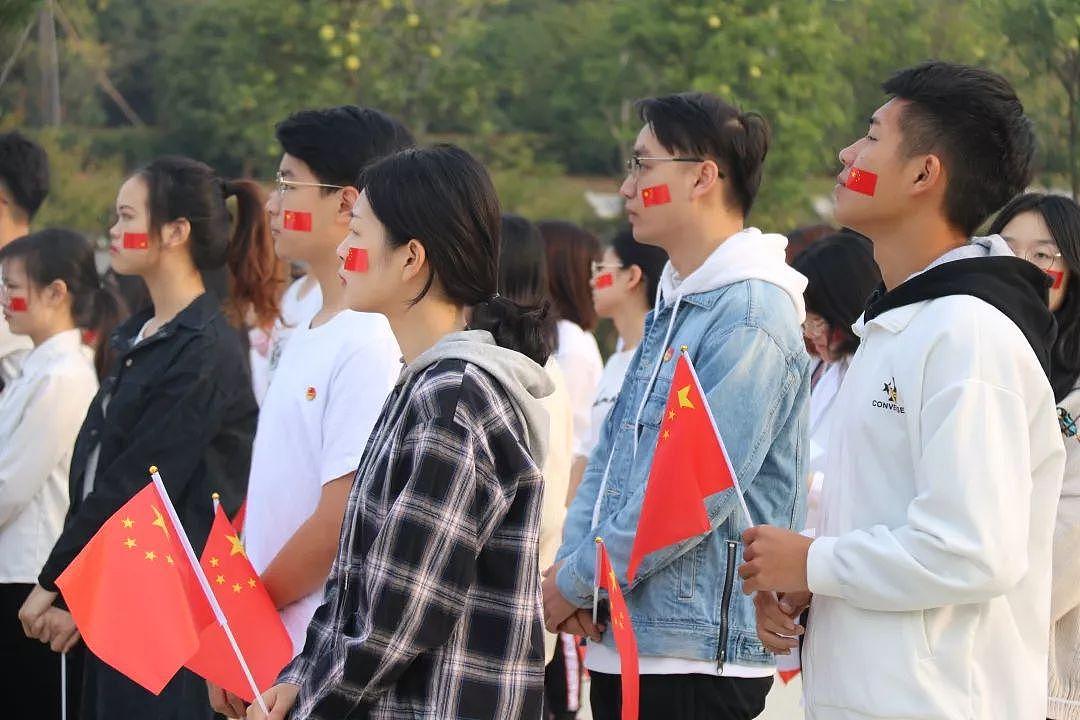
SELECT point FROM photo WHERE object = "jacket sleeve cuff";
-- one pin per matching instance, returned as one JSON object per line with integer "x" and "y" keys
{"x": 821, "y": 573}
{"x": 575, "y": 586}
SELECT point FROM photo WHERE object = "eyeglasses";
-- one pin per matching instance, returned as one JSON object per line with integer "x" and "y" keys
{"x": 1042, "y": 255}
{"x": 634, "y": 166}
{"x": 284, "y": 185}
{"x": 598, "y": 267}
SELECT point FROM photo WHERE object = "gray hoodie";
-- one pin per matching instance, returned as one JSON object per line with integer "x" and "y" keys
{"x": 524, "y": 381}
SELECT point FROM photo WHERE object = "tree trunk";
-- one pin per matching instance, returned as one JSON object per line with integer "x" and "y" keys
{"x": 50, "y": 66}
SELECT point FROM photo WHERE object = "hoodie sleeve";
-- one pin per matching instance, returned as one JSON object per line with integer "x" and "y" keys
{"x": 966, "y": 535}
{"x": 744, "y": 366}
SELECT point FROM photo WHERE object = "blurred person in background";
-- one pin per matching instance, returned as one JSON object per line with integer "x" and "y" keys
{"x": 571, "y": 250}
{"x": 1045, "y": 230}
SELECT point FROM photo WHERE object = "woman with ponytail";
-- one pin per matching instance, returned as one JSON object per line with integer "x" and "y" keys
{"x": 51, "y": 295}
{"x": 178, "y": 396}
{"x": 432, "y": 606}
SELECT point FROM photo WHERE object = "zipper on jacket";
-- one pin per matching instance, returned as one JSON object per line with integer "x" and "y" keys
{"x": 729, "y": 580}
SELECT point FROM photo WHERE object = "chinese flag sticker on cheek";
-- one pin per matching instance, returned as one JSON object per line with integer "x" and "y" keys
{"x": 655, "y": 195}
{"x": 861, "y": 181}
{"x": 604, "y": 281}
{"x": 17, "y": 304}
{"x": 1056, "y": 275}
{"x": 136, "y": 241}
{"x": 356, "y": 260}
{"x": 296, "y": 220}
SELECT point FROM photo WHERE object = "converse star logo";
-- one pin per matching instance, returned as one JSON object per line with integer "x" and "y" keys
{"x": 892, "y": 398}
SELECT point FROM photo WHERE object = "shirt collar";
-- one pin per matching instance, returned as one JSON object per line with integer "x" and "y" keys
{"x": 61, "y": 343}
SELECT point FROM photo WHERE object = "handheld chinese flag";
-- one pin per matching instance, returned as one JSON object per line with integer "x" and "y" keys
{"x": 689, "y": 465}
{"x": 134, "y": 596}
{"x": 788, "y": 666}
{"x": 621, "y": 626}
{"x": 251, "y": 615}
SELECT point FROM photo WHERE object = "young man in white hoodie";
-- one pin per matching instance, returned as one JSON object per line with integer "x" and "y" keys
{"x": 729, "y": 299}
{"x": 931, "y": 571}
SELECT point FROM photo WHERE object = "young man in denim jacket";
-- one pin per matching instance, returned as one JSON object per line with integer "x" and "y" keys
{"x": 729, "y": 298}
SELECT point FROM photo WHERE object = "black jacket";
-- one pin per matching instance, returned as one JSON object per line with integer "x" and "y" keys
{"x": 1018, "y": 289}
{"x": 180, "y": 400}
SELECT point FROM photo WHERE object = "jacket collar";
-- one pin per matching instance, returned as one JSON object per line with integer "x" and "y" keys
{"x": 195, "y": 316}
{"x": 61, "y": 343}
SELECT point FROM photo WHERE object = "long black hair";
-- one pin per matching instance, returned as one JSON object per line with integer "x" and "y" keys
{"x": 443, "y": 197}
{"x": 841, "y": 275}
{"x": 1062, "y": 217}
{"x": 58, "y": 254}
{"x": 523, "y": 273}
{"x": 179, "y": 187}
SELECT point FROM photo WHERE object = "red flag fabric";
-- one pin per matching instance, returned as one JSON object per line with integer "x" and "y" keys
{"x": 252, "y": 617}
{"x": 297, "y": 220}
{"x": 134, "y": 595}
{"x": 789, "y": 666}
{"x": 136, "y": 241}
{"x": 656, "y": 195}
{"x": 238, "y": 518}
{"x": 17, "y": 304}
{"x": 356, "y": 260}
{"x": 623, "y": 629}
{"x": 861, "y": 181}
{"x": 689, "y": 465}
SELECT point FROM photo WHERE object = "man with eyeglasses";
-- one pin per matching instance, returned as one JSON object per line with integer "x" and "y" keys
{"x": 728, "y": 298}
{"x": 331, "y": 377}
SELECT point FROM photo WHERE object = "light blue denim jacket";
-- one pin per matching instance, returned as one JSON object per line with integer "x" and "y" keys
{"x": 745, "y": 342}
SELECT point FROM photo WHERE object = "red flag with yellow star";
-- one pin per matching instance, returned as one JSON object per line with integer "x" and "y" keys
{"x": 252, "y": 617}
{"x": 689, "y": 465}
{"x": 134, "y": 594}
{"x": 623, "y": 629}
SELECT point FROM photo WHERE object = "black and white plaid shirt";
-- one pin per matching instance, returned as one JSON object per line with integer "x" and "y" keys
{"x": 432, "y": 608}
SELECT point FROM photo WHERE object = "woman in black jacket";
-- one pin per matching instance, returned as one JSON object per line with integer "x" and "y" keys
{"x": 178, "y": 396}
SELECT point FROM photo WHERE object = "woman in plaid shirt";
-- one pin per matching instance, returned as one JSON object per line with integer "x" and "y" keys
{"x": 432, "y": 609}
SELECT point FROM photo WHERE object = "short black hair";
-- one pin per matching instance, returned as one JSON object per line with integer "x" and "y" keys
{"x": 703, "y": 125}
{"x": 972, "y": 119}
{"x": 649, "y": 258}
{"x": 338, "y": 143}
{"x": 841, "y": 275}
{"x": 24, "y": 171}
{"x": 1062, "y": 217}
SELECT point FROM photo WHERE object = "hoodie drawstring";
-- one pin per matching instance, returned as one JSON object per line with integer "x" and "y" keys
{"x": 656, "y": 368}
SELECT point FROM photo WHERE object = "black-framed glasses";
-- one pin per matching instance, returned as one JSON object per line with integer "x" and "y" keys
{"x": 634, "y": 166}
{"x": 283, "y": 185}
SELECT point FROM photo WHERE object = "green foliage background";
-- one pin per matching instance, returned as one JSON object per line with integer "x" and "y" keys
{"x": 542, "y": 90}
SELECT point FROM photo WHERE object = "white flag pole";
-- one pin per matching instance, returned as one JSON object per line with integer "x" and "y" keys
{"x": 205, "y": 583}
{"x": 719, "y": 440}
{"x": 63, "y": 686}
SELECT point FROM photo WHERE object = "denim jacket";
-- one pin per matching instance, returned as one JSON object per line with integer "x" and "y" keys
{"x": 745, "y": 342}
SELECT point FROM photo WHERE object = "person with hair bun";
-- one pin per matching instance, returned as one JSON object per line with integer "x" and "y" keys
{"x": 431, "y": 609}
{"x": 51, "y": 294}
{"x": 178, "y": 397}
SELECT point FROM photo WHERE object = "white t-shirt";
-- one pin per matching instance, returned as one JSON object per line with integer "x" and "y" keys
{"x": 297, "y": 310}
{"x": 323, "y": 401}
{"x": 611, "y": 381}
{"x": 579, "y": 358}
{"x": 556, "y": 469}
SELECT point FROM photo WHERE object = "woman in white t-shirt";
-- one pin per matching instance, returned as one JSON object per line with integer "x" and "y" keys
{"x": 523, "y": 278}
{"x": 841, "y": 275}
{"x": 571, "y": 250}
{"x": 51, "y": 294}
{"x": 624, "y": 285}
